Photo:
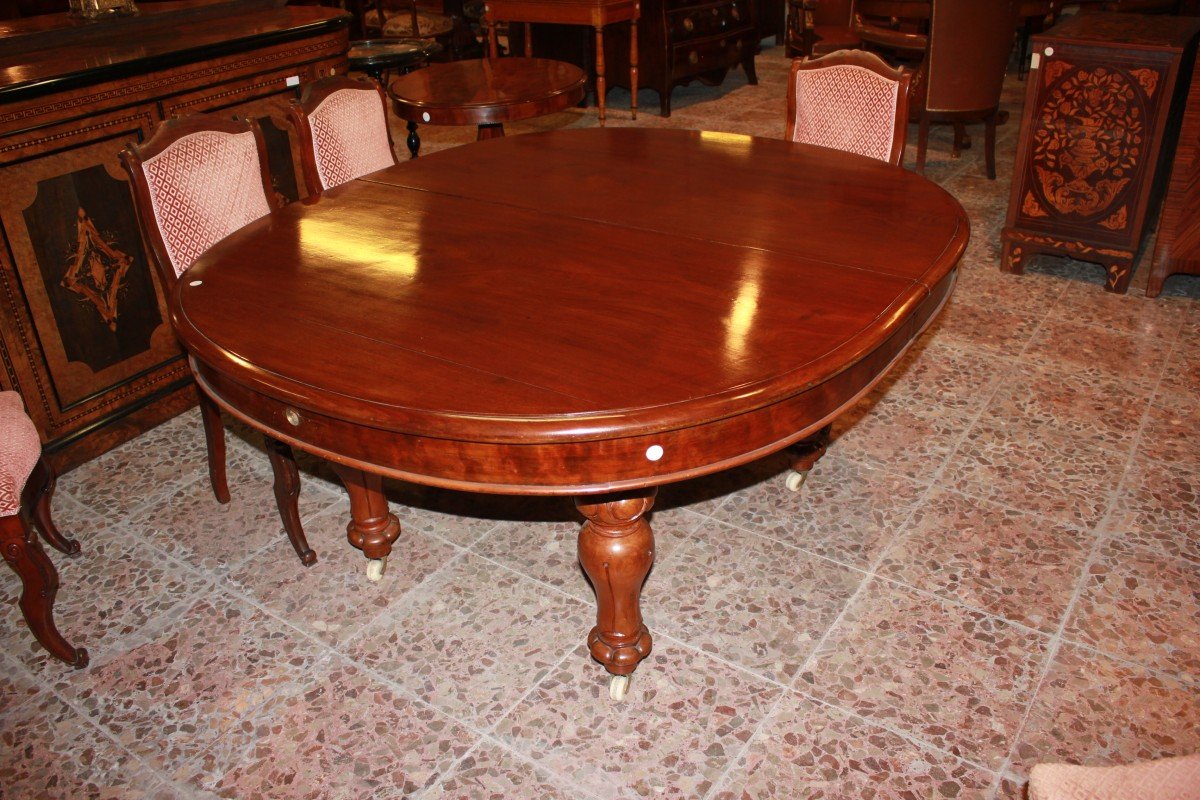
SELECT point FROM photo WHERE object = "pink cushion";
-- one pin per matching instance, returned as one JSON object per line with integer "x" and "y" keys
{"x": 1165, "y": 779}
{"x": 349, "y": 133}
{"x": 848, "y": 108}
{"x": 204, "y": 187}
{"x": 20, "y": 449}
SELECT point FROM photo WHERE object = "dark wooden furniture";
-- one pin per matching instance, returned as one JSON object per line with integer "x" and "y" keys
{"x": 819, "y": 27}
{"x": 963, "y": 73}
{"x": 770, "y": 19}
{"x": 193, "y": 192}
{"x": 601, "y": 331}
{"x": 598, "y": 14}
{"x": 374, "y": 57}
{"x": 84, "y": 335}
{"x": 1091, "y": 157}
{"x": 485, "y": 92}
{"x": 26, "y": 486}
{"x": 849, "y": 100}
{"x": 1177, "y": 248}
{"x": 682, "y": 41}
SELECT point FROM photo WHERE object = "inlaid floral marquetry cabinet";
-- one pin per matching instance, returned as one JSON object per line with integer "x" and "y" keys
{"x": 84, "y": 332}
{"x": 1102, "y": 108}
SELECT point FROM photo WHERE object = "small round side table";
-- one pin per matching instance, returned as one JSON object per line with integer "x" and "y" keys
{"x": 376, "y": 56}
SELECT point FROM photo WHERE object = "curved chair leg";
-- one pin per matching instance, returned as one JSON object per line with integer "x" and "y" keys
{"x": 287, "y": 497}
{"x": 214, "y": 436}
{"x": 39, "y": 489}
{"x": 39, "y": 585}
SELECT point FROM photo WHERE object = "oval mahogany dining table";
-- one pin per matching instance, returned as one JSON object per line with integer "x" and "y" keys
{"x": 590, "y": 313}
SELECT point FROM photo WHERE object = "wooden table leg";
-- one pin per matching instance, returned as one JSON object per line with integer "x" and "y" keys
{"x": 601, "y": 86}
{"x": 805, "y": 454}
{"x": 491, "y": 130}
{"x": 372, "y": 526}
{"x": 616, "y": 549}
{"x": 633, "y": 65}
{"x": 413, "y": 141}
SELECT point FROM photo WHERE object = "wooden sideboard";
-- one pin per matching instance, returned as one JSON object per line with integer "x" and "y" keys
{"x": 1177, "y": 249}
{"x": 84, "y": 332}
{"x": 1101, "y": 114}
{"x": 684, "y": 40}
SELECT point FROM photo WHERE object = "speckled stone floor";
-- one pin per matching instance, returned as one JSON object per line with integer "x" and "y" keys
{"x": 996, "y": 564}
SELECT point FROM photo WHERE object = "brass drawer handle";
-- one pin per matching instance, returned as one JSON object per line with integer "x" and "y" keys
{"x": 293, "y": 417}
{"x": 688, "y": 25}
{"x": 693, "y": 57}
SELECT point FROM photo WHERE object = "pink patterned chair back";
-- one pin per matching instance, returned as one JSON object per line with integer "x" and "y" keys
{"x": 850, "y": 101}
{"x": 20, "y": 449}
{"x": 203, "y": 187}
{"x": 343, "y": 131}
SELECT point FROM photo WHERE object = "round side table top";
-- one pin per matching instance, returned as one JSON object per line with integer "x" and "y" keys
{"x": 386, "y": 53}
{"x": 486, "y": 91}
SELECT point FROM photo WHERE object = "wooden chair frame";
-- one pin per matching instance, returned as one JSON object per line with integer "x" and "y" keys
{"x": 283, "y": 461}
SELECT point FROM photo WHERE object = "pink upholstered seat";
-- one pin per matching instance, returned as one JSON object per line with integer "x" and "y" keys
{"x": 849, "y": 100}
{"x": 1164, "y": 779}
{"x": 20, "y": 449}
{"x": 343, "y": 131}
{"x": 204, "y": 187}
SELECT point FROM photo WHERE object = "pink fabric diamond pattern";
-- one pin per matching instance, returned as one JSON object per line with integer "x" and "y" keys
{"x": 20, "y": 449}
{"x": 349, "y": 136}
{"x": 847, "y": 108}
{"x": 203, "y": 188}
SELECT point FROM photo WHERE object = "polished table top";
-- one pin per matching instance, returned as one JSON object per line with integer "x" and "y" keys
{"x": 588, "y": 312}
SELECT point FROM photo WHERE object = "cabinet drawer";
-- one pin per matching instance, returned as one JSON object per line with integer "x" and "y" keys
{"x": 699, "y": 22}
{"x": 719, "y": 52}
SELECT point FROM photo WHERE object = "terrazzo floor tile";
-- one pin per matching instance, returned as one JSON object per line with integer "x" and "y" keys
{"x": 1054, "y": 475}
{"x": 1092, "y": 709}
{"x": 953, "y": 677}
{"x": 548, "y": 551}
{"x": 491, "y": 773}
{"x": 911, "y": 440}
{"x": 936, "y": 373}
{"x": 1141, "y": 606}
{"x": 1099, "y": 408}
{"x": 1169, "y": 433}
{"x": 1160, "y": 318}
{"x": 189, "y": 689}
{"x": 816, "y": 752}
{"x": 48, "y": 752}
{"x": 1003, "y": 331}
{"x": 1181, "y": 376}
{"x": 192, "y": 526}
{"x": 115, "y": 593}
{"x": 748, "y": 599}
{"x": 1008, "y": 563}
{"x": 847, "y": 511}
{"x": 17, "y": 686}
{"x": 464, "y": 518}
{"x": 342, "y": 735}
{"x": 1159, "y": 507}
{"x": 153, "y": 464}
{"x": 471, "y": 640}
{"x": 685, "y": 719}
{"x": 333, "y": 599}
{"x": 1077, "y": 347}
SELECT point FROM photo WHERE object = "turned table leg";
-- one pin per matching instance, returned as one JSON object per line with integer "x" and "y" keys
{"x": 413, "y": 141}
{"x": 372, "y": 526}
{"x": 616, "y": 549}
{"x": 805, "y": 454}
{"x": 601, "y": 85}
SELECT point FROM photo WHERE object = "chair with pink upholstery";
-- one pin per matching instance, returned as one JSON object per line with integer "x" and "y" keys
{"x": 850, "y": 100}
{"x": 343, "y": 131}
{"x": 195, "y": 181}
{"x": 1165, "y": 779}
{"x": 26, "y": 486}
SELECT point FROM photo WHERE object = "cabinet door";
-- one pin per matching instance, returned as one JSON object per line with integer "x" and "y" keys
{"x": 83, "y": 321}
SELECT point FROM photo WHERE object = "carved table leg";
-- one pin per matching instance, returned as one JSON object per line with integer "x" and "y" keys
{"x": 413, "y": 141}
{"x": 39, "y": 585}
{"x": 616, "y": 549}
{"x": 287, "y": 497}
{"x": 372, "y": 527}
{"x": 39, "y": 489}
{"x": 214, "y": 437}
{"x": 805, "y": 454}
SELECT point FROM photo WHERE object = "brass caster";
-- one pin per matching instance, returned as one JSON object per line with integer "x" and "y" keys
{"x": 375, "y": 568}
{"x": 618, "y": 685}
{"x": 795, "y": 480}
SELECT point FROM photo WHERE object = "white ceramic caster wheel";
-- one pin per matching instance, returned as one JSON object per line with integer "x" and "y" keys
{"x": 375, "y": 568}
{"x": 795, "y": 480}
{"x": 618, "y": 685}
